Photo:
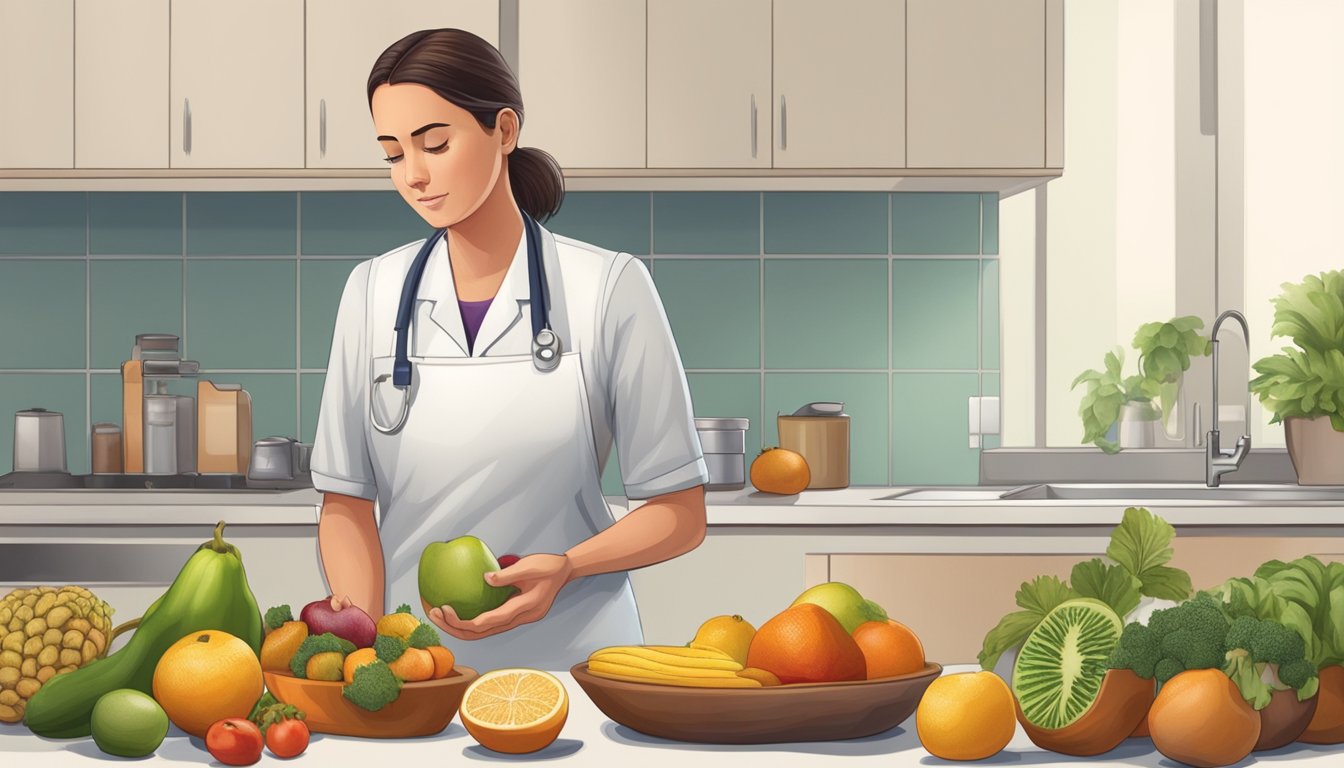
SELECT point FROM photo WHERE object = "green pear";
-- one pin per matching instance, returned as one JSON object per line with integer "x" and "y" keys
{"x": 453, "y": 573}
{"x": 844, "y": 603}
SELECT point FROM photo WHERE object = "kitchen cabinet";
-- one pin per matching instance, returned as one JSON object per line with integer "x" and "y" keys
{"x": 581, "y": 70}
{"x": 977, "y": 85}
{"x": 709, "y": 84}
{"x": 951, "y": 600}
{"x": 344, "y": 38}
{"x": 236, "y": 93}
{"x": 37, "y": 58}
{"x": 839, "y": 84}
{"x": 121, "y": 90}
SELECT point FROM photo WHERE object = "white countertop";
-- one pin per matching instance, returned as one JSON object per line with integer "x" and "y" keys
{"x": 590, "y": 739}
{"x": 854, "y": 506}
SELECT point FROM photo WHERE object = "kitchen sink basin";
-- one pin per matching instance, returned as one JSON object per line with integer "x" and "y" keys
{"x": 1176, "y": 491}
{"x": 1131, "y": 492}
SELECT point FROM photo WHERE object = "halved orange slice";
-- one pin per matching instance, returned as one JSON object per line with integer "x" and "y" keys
{"x": 515, "y": 710}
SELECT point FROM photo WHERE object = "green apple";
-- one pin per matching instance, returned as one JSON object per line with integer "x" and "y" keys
{"x": 453, "y": 573}
{"x": 844, "y": 603}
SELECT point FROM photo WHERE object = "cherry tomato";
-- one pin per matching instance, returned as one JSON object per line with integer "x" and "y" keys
{"x": 234, "y": 741}
{"x": 287, "y": 738}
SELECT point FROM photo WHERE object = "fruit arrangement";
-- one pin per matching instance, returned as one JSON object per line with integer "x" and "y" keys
{"x": 335, "y": 641}
{"x": 1253, "y": 663}
{"x": 830, "y": 633}
{"x": 45, "y": 632}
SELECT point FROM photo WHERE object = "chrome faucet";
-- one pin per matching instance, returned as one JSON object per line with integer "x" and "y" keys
{"x": 1216, "y": 462}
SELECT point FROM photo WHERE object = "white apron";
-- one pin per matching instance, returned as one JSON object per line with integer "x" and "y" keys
{"x": 519, "y": 473}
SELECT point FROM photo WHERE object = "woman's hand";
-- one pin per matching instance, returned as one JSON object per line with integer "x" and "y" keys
{"x": 538, "y": 578}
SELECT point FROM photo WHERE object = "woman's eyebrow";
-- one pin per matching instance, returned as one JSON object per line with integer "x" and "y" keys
{"x": 417, "y": 131}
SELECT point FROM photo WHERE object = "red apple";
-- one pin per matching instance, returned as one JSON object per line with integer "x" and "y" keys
{"x": 506, "y": 560}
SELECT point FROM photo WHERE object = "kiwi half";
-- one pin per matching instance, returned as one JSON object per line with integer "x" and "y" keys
{"x": 1061, "y": 666}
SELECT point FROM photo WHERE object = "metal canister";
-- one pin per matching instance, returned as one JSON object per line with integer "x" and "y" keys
{"x": 161, "y": 434}
{"x": 724, "y": 444}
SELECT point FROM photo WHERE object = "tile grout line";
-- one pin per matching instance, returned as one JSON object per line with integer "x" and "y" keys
{"x": 891, "y": 340}
{"x": 88, "y": 330}
{"x": 298, "y": 310}
{"x": 760, "y": 309}
{"x": 980, "y": 332}
{"x": 184, "y": 274}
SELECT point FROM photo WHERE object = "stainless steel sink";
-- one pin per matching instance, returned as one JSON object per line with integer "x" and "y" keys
{"x": 1177, "y": 491}
{"x": 1131, "y": 493}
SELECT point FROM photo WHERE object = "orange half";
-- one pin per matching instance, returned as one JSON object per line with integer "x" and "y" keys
{"x": 515, "y": 711}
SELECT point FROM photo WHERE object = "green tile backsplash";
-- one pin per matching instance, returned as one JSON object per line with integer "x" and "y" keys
{"x": 887, "y": 301}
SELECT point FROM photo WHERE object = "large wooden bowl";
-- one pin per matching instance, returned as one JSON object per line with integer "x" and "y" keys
{"x": 784, "y": 713}
{"x": 422, "y": 709}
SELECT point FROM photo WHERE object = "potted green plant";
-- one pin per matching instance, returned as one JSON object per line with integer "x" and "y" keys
{"x": 1165, "y": 349}
{"x": 1303, "y": 387}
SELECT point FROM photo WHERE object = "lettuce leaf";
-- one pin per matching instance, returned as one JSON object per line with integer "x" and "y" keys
{"x": 1113, "y": 585}
{"x": 1313, "y": 599}
{"x": 1141, "y": 544}
{"x": 1036, "y": 598}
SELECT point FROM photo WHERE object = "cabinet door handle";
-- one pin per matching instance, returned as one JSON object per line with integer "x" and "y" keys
{"x": 753, "y": 126}
{"x": 322, "y": 128}
{"x": 783, "y": 123}
{"x": 186, "y": 126}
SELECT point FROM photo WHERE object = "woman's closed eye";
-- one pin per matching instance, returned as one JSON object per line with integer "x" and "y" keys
{"x": 436, "y": 150}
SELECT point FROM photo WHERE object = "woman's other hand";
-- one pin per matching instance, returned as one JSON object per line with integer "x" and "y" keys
{"x": 539, "y": 578}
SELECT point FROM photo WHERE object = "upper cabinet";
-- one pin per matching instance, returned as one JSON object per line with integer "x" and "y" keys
{"x": 36, "y": 93}
{"x": 236, "y": 95}
{"x": 581, "y": 70}
{"x": 709, "y": 84}
{"x": 977, "y": 83}
{"x": 344, "y": 38}
{"x": 121, "y": 89}
{"x": 839, "y": 84}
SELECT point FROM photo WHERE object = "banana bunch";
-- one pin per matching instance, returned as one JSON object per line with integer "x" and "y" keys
{"x": 670, "y": 665}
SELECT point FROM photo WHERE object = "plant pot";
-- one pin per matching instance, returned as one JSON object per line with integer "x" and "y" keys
{"x": 1316, "y": 450}
{"x": 1139, "y": 425}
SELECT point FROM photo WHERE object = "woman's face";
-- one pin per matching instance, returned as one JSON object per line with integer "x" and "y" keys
{"x": 444, "y": 163}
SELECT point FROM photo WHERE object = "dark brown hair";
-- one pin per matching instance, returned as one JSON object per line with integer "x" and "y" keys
{"x": 470, "y": 73}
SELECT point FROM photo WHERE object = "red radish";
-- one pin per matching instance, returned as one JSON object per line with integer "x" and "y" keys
{"x": 340, "y": 618}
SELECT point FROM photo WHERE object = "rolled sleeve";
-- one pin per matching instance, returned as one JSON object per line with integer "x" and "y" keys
{"x": 340, "y": 461}
{"x": 650, "y": 404}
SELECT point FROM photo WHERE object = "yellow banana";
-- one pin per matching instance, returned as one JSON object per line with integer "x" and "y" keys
{"x": 673, "y": 659}
{"x": 652, "y": 665}
{"x": 617, "y": 671}
{"x": 672, "y": 650}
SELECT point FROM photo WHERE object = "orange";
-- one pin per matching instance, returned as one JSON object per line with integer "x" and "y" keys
{"x": 443, "y": 661}
{"x": 413, "y": 666}
{"x": 806, "y": 644}
{"x": 356, "y": 660}
{"x": 889, "y": 648}
{"x": 1200, "y": 718}
{"x": 207, "y": 676}
{"x": 727, "y": 634}
{"x": 281, "y": 644}
{"x": 1327, "y": 725}
{"x": 968, "y": 716}
{"x": 515, "y": 710}
{"x": 779, "y": 470}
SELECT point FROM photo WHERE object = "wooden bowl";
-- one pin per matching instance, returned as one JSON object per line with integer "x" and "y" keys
{"x": 1121, "y": 706}
{"x": 1284, "y": 719}
{"x": 784, "y": 713}
{"x": 422, "y": 709}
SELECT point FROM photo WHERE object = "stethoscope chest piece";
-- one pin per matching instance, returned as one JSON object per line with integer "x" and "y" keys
{"x": 546, "y": 350}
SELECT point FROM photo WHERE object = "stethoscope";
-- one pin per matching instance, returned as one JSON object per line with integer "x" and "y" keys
{"x": 545, "y": 342}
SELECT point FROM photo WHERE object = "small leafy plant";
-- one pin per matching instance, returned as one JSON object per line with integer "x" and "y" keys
{"x": 1307, "y": 381}
{"x": 1165, "y": 350}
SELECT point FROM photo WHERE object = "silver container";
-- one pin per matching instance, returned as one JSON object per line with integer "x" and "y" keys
{"x": 186, "y": 434}
{"x": 160, "y": 447}
{"x": 156, "y": 346}
{"x": 724, "y": 444}
{"x": 39, "y": 441}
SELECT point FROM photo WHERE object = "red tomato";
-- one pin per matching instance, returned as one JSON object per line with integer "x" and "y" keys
{"x": 287, "y": 738}
{"x": 234, "y": 741}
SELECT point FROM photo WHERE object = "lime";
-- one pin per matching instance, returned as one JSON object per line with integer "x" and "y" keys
{"x": 128, "y": 723}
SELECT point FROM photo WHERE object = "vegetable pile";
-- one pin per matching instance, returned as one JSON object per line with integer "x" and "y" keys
{"x": 1250, "y": 664}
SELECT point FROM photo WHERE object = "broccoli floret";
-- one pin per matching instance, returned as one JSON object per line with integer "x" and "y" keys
{"x": 389, "y": 648}
{"x": 373, "y": 687}
{"x": 277, "y": 616}
{"x": 403, "y": 608}
{"x": 424, "y": 636}
{"x": 1259, "y": 652}
{"x": 315, "y": 644}
{"x": 1187, "y": 636}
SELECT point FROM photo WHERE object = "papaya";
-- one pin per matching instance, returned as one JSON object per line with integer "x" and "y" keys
{"x": 210, "y": 592}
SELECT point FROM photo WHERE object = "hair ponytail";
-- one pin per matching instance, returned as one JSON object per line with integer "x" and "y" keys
{"x": 471, "y": 73}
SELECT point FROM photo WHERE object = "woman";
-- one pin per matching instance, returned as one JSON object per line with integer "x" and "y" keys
{"x": 495, "y": 443}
